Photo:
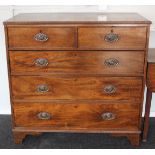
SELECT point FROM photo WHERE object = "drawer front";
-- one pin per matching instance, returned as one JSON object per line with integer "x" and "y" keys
{"x": 41, "y": 38}
{"x": 96, "y": 116}
{"x": 151, "y": 76}
{"x": 112, "y": 38}
{"x": 57, "y": 88}
{"x": 82, "y": 62}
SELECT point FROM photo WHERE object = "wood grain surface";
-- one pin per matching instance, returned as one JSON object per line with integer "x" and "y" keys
{"x": 129, "y": 38}
{"x": 58, "y": 38}
{"x": 77, "y": 116}
{"x": 76, "y": 87}
{"x": 25, "y": 87}
{"x": 80, "y": 62}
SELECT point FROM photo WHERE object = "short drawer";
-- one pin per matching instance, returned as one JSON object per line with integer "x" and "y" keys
{"x": 73, "y": 88}
{"x": 75, "y": 116}
{"x": 41, "y": 37}
{"x": 112, "y": 38}
{"x": 77, "y": 62}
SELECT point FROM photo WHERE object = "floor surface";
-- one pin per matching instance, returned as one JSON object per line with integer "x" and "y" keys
{"x": 70, "y": 140}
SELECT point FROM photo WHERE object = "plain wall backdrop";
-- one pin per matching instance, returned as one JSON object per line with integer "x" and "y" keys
{"x": 9, "y": 11}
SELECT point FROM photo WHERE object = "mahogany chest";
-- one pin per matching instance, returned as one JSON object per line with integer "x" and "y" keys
{"x": 77, "y": 72}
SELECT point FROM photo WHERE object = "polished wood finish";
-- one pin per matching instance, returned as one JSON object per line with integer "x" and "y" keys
{"x": 58, "y": 38}
{"x": 129, "y": 38}
{"x": 79, "y": 72}
{"x": 69, "y": 116}
{"x": 68, "y": 88}
{"x": 77, "y": 62}
{"x": 84, "y": 18}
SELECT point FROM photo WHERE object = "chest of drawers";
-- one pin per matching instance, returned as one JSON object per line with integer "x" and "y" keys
{"x": 78, "y": 72}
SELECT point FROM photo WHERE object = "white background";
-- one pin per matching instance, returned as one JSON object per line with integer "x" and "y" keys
{"x": 11, "y": 10}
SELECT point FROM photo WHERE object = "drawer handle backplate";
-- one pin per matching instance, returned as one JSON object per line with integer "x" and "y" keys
{"x": 41, "y": 62}
{"x": 109, "y": 89}
{"x": 108, "y": 116}
{"x": 44, "y": 116}
{"x": 42, "y": 88}
{"x": 41, "y": 37}
{"x": 111, "y": 62}
{"x": 111, "y": 37}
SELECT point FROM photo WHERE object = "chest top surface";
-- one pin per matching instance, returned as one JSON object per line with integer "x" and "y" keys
{"x": 108, "y": 18}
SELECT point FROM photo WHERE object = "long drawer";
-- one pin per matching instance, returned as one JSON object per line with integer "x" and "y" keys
{"x": 83, "y": 116}
{"x": 112, "y": 37}
{"x": 41, "y": 37}
{"x": 76, "y": 88}
{"x": 78, "y": 62}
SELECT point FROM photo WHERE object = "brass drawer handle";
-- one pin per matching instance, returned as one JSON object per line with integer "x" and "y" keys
{"x": 111, "y": 62}
{"x": 44, "y": 115}
{"x": 108, "y": 116}
{"x": 111, "y": 37}
{"x": 109, "y": 89}
{"x": 41, "y": 37}
{"x": 42, "y": 88}
{"x": 41, "y": 62}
